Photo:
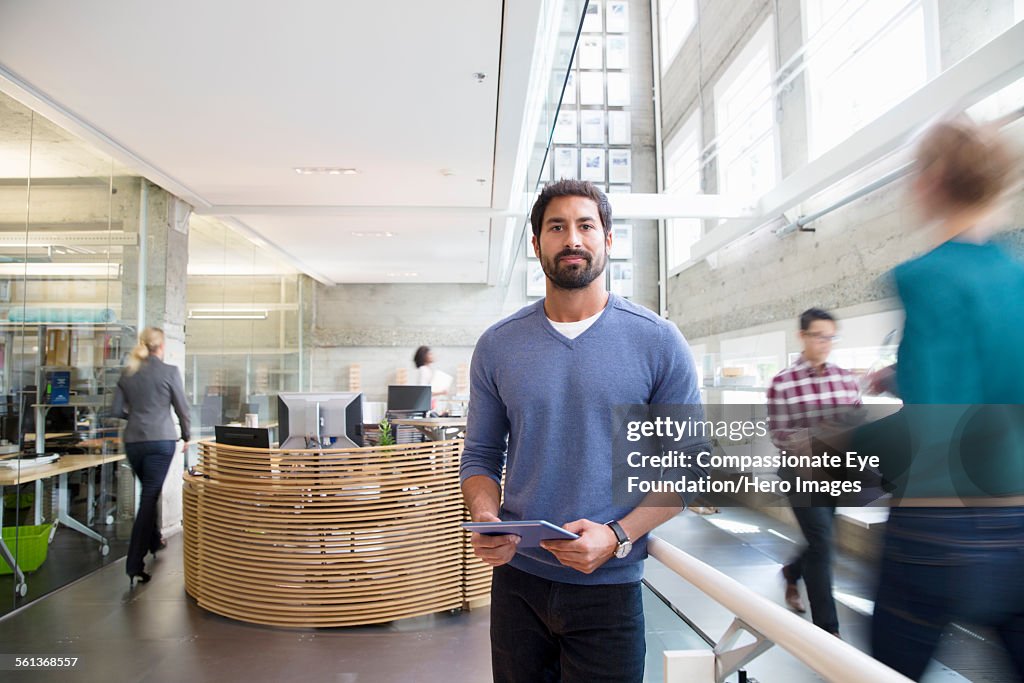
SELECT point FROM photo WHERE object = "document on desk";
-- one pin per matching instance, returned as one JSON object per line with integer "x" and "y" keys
{"x": 22, "y": 463}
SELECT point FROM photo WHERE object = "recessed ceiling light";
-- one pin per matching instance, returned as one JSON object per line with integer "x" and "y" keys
{"x": 359, "y": 233}
{"x": 326, "y": 170}
{"x": 406, "y": 274}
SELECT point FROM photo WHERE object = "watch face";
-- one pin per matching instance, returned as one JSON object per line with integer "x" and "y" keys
{"x": 623, "y": 549}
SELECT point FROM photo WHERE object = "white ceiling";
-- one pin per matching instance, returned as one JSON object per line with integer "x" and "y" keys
{"x": 219, "y": 101}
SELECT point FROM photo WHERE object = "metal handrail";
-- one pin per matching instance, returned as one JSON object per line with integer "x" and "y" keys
{"x": 835, "y": 660}
{"x": 905, "y": 169}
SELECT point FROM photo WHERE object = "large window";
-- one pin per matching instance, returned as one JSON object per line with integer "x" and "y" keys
{"x": 683, "y": 176}
{"x": 676, "y": 19}
{"x": 863, "y": 56}
{"x": 745, "y": 120}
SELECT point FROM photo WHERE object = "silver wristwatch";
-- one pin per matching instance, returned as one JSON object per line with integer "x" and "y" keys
{"x": 625, "y": 545}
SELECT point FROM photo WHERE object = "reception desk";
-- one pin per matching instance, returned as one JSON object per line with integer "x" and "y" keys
{"x": 307, "y": 538}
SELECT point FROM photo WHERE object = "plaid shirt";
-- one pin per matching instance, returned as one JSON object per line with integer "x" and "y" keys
{"x": 799, "y": 397}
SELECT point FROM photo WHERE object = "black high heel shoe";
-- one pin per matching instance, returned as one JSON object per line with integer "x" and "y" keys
{"x": 143, "y": 577}
{"x": 162, "y": 546}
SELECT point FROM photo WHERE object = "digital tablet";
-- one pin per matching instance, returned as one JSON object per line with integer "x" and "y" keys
{"x": 532, "y": 531}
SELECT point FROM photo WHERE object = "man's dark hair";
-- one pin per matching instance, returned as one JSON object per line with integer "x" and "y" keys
{"x": 570, "y": 188}
{"x": 420, "y": 357}
{"x": 812, "y": 314}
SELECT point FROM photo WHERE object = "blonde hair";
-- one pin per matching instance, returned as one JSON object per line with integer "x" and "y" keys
{"x": 970, "y": 165}
{"x": 150, "y": 339}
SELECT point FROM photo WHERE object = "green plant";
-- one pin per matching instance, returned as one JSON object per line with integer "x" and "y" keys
{"x": 387, "y": 438}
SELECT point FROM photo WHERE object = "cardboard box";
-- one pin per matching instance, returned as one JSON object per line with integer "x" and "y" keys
{"x": 58, "y": 347}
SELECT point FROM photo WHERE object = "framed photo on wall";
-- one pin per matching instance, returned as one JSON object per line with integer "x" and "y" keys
{"x": 534, "y": 279}
{"x": 589, "y": 53}
{"x": 622, "y": 278}
{"x": 591, "y": 87}
{"x": 566, "y": 163}
{"x": 619, "y": 132}
{"x": 622, "y": 241}
{"x": 592, "y": 127}
{"x": 618, "y": 89}
{"x": 620, "y": 166}
{"x": 593, "y": 165}
{"x": 569, "y": 96}
{"x": 592, "y": 19}
{"x": 565, "y": 127}
{"x": 618, "y": 52}
{"x": 617, "y": 20}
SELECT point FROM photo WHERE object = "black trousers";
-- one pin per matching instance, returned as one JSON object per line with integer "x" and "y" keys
{"x": 150, "y": 461}
{"x": 550, "y": 632}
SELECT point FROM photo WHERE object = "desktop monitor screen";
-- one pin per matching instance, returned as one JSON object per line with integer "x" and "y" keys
{"x": 59, "y": 419}
{"x": 324, "y": 420}
{"x": 408, "y": 398}
{"x": 248, "y": 437}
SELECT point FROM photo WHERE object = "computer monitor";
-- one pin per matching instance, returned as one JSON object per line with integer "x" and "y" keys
{"x": 248, "y": 437}
{"x": 323, "y": 420}
{"x": 409, "y": 399}
{"x": 59, "y": 419}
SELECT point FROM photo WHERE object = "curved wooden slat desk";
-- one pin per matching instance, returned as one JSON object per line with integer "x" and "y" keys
{"x": 329, "y": 538}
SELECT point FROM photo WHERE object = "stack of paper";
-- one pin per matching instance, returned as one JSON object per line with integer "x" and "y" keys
{"x": 17, "y": 463}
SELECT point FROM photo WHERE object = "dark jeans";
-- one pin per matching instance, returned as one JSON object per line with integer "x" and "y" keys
{"x": 945, "y": 564}
{"x": 150, "y": 461}
{"x": 814, "y": 564}
{"x": 544, "y": 631}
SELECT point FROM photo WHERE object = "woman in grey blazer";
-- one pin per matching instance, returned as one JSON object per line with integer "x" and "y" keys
{"x": 146, "y": 392}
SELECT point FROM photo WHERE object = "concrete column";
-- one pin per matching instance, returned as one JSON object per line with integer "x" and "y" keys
{"x": 154, "y": 291}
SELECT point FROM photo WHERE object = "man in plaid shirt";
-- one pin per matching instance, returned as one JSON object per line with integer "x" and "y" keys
{"x": 800, "y": 397}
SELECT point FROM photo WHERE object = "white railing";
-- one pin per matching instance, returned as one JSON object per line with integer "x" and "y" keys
{"x": 767, "y": 622}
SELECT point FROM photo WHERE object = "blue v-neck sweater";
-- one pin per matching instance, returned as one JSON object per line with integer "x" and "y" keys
{"x": 547, "y": 401}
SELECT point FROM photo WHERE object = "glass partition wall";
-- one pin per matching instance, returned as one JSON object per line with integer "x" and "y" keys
{"x": 69, "y": 242}
{"x": 244, "y": 329}
{"x": 72, "y": 281}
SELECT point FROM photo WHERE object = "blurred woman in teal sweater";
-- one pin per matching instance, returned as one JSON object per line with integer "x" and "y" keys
{"x": 954, "y": 547}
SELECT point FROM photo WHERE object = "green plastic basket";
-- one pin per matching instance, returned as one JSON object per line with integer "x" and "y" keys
{"x": 30, "y": 551}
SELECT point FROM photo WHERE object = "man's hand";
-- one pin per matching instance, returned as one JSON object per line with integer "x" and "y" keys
{"x": 494, "y": 550}
{"x": 595, "y": 546}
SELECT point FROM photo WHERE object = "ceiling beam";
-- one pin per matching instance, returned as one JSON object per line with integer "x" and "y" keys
{"x": 658, "y": 206}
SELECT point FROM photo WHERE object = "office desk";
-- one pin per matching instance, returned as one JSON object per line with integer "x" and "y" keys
{"x": 60, "y": 469}
{"x": 435, "y": 428}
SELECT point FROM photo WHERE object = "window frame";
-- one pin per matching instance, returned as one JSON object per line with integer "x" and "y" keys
{"x": 761, "y": 39}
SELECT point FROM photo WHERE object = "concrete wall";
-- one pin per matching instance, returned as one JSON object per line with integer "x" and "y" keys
{"x": 379, "y": 327}
{"x": 844, "y": 263}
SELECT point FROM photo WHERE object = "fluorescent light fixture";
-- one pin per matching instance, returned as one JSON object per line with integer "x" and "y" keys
{"x": 227, "y": 314}
{"x": 326, "y": 170}
{"x": 406, "y": 274}
{"x": 94, "y": 271}
{"x": 47, "y": 238}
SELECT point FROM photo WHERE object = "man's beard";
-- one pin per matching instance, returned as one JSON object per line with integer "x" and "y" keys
{"x": 574, "y": 276}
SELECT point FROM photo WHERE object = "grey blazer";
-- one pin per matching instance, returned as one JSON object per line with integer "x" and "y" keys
{"x": 145, "y": 399}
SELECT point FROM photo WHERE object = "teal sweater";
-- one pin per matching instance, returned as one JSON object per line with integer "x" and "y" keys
{"x": 548, "y": 401}
{"x": 962, "y": 349}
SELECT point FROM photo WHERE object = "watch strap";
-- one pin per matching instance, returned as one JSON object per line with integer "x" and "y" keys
{"x": 620, "y": 533}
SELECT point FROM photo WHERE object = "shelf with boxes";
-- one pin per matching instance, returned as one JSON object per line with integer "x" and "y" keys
{"x": 58, "y": 376}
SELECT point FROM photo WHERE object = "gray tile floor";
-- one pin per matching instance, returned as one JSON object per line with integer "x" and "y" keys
{"x": 155, "y": 633}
